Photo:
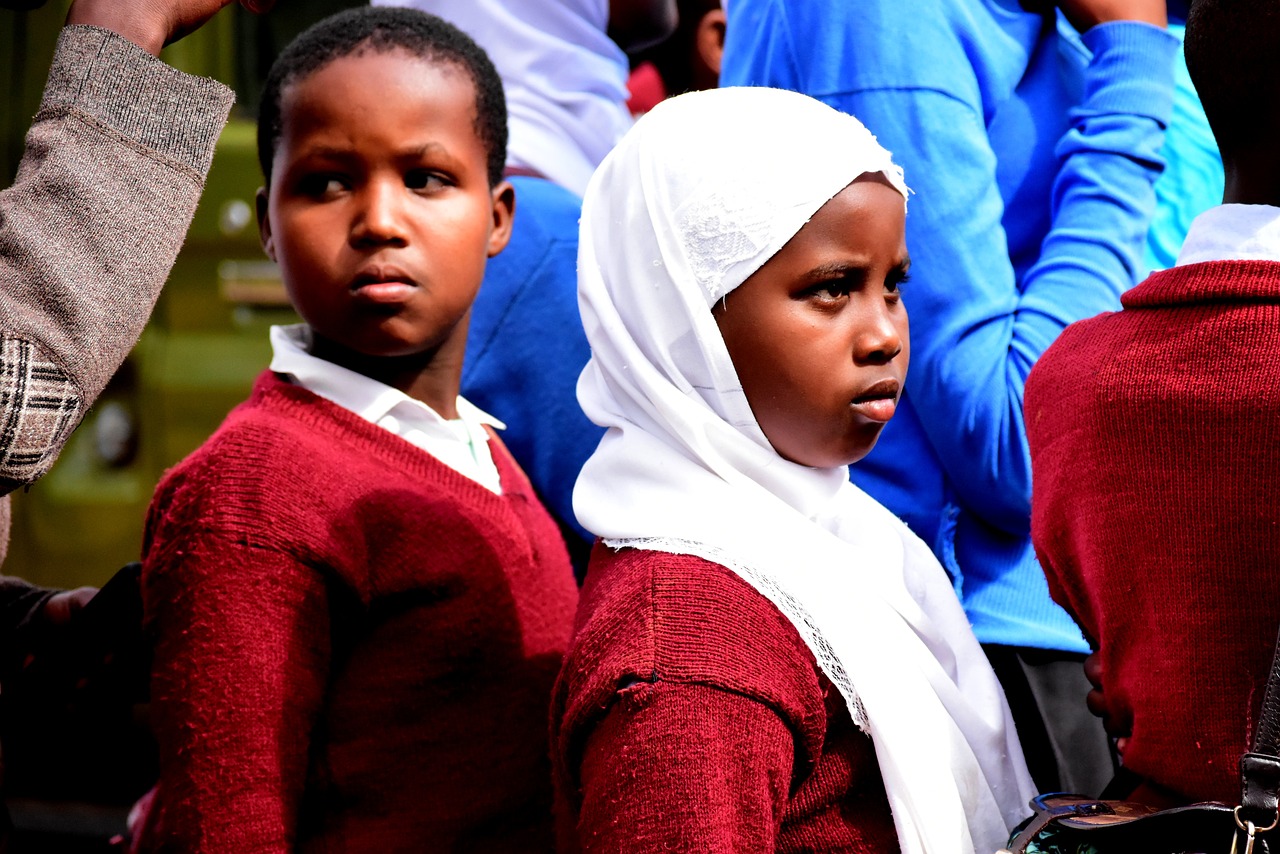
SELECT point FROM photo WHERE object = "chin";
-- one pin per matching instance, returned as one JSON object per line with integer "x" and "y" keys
{"x": 858, "y": 454}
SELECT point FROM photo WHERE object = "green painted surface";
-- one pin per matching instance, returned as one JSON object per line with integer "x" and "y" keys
{"x": 195, "y": 361}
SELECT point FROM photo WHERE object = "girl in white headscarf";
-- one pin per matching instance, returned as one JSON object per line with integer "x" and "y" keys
{"x": 750, "y": 617}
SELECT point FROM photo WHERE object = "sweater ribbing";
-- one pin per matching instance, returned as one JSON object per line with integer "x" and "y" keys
{"x": 355, "y": 643}
{"x": 690, "y": 716}
{"x": 1152, "y": 433}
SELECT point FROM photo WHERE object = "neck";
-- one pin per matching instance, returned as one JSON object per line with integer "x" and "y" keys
{"x": 432, "y": 377}
{"x": 1253, "y": 178}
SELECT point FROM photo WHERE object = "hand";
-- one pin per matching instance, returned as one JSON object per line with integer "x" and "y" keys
{"x": 61, "y": 608}
{"x": 1118, "y": 725}
{"x": 152, "y": 25}
{"x": 1085, "y": 14}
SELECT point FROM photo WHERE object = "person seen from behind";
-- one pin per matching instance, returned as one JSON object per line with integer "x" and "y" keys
{"x": 359, "y": 604}
{"x": 764, "y": 658}
{"x": 1154, "y": 455}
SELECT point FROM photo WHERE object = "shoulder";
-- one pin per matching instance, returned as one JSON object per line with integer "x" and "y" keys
{"x": 539, "y": 261}
{"x": 546, "y": 201}
{"x": 263, "y": 433}
{"x": 648, "y": 616}
{"x": 1069, "y": 369}
{"x": 277, "y": 456}
{"x": 546, "y": 221}
{"x": 817, "y": 46}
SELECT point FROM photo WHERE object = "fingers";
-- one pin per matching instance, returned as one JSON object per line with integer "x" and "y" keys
{"x": 1093, "y": 671}
{"x": 257, "y": 7}
{"x": 62, "y": 607}
{"x": 1116, "y": 724}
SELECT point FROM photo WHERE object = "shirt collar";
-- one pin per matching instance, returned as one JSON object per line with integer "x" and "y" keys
{"x": 368, "y": 398}
{"x": 1233, "y": 233}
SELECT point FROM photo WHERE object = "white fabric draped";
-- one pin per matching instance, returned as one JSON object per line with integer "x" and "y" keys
{"x": 694, "y": 199}
{"x": 565, "y": 79}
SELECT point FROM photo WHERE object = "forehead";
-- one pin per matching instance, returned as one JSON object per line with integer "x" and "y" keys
{"x": 864, "y": 220}
{"x": 390, "y": 90}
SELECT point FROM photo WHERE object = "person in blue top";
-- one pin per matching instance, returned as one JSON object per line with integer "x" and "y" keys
{"x": 1033, "y": 150}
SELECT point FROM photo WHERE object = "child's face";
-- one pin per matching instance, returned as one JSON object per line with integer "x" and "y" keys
{"x": 818, "y": 335}
{"x": 380, "y": 212}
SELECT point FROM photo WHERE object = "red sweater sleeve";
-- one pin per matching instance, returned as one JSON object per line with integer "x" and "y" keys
{"x": 685, "y": 767}
{"x": 241, "y": 657}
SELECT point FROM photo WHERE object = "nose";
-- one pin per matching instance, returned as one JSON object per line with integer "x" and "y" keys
{"x": 380, "y": 216}
{"x": 881, "y": 333}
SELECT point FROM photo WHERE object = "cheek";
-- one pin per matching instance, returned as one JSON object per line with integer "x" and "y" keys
{"x": 904, "y": 334}
{"x": 303, "y": 241}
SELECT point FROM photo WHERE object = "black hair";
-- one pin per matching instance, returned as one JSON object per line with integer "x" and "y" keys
{"x": 674, "y": 56}
{"x": 382, "y": 29}
{"x": 1231, "y": 48}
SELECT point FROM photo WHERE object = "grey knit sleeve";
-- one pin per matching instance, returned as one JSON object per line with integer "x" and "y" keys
{"x": 113, "y": 168}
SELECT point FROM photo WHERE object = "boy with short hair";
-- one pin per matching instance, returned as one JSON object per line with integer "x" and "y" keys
{"x": 359, "y": 604}
{"x": 1152, "y": 434}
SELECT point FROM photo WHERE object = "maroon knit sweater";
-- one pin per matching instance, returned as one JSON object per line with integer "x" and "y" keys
{"x": 355, "y": 644}
{"x": 1155, "y": 445}
{"x": 690, "y": 716}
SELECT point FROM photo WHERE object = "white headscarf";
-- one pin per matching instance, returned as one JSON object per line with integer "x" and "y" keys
{"x": 703, "y": 191}
{"x": 565, "y": 79}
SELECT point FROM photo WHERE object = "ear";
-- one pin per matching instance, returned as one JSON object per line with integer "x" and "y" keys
{"x": 710, "y": 39}
{"x": 264, "y": 224}
{"x": 504, "y": 211}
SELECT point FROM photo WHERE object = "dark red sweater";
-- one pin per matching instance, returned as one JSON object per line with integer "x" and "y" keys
{"x": 1156, "y": 460}
{"x": 690, "y": 716}
{"x": 355, "y": 644}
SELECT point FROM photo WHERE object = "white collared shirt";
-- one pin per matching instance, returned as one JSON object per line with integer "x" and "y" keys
{"x": 1233, "y": 233}
{"x": 461, "y": 444}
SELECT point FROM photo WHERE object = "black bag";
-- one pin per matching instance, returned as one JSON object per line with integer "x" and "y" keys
{"x": 1073, "y": 824}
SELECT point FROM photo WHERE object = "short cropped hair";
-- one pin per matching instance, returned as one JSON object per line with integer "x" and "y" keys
{"x": 1233, "y": 55}
{"x": 382, "y": 29}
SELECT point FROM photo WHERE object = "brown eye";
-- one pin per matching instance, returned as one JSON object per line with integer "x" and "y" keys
{"x": 835, "y": 290}
{"x": 423, "y": 181}
{"x": 321, "y": 186}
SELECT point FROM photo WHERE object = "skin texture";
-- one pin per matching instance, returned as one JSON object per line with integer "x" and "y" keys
{"x": 1084, "y": 14}
{"x": 62, "y": 607}
{"x": 708, "y": 41}
{"x": 381, "y": 217}
{"x": 821, "y": 324}
{"x": 155, "y": 24}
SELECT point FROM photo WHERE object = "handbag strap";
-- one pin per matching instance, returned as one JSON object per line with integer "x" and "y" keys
{"x": 1260, "y": 767}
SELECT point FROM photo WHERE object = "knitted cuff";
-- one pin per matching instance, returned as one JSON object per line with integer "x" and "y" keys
{"x": 1131, "y": 71}
{"x": 114, "y": 82}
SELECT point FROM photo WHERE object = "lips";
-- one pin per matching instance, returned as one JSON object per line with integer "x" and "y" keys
{"x": 880, "y": 401}
{"x": 383, "y": 285}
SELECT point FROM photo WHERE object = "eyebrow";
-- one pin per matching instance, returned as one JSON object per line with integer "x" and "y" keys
{"x": 843, "y": 269}
{"x": 335, "y": 153}
{"x": 834, "y": 270}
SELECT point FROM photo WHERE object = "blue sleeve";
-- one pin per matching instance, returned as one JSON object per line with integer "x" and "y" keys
{"x": 1193, "y": 180}
{"x": 976, "y": 331}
